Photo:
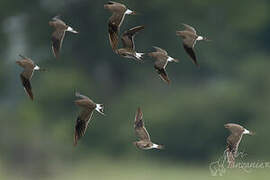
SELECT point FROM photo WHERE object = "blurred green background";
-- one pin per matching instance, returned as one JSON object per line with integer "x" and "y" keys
{"x": 232, "y": 85}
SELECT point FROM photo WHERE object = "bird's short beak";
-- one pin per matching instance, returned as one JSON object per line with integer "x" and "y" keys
{"x": 134, "y": 13}
{"x": 206, "y": 39}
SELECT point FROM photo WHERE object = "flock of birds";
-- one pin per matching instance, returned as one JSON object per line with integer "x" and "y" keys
{"x": 189, "y": 38}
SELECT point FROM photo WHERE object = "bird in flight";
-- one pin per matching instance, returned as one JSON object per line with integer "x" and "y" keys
{"x": 115, "y": 21}
{"x": 190, "y": 37}
{"x": 162, "y": 59}
{"x": 60, "y": 28}
{"x": 88, "y": 106}
{"x": 233, "y": 141}
{"x": 141, "y": 132}
{"x": 29, "y": 67}
{"x": 128, "y": 50}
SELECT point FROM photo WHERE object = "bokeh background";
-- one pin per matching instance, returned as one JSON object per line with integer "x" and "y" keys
{"x": 232, "y": 85}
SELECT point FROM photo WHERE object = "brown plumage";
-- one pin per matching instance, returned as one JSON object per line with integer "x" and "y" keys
{"x": 29, "y": 67}
{"x": 58, "y": 35}
{"x": 233, "y": 141}
{"x": 115, "y": 21}
{"x": 161, "y": 62}
{"x": 128, "y": 50}
{"x": 190, "y": 37}
{"x": 85, "y": 116}
{"x": 141, "y": 132}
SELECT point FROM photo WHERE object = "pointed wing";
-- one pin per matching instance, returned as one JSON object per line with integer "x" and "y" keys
{"x": 111, "y": 2}
{"x": 114, "y": 24}
{"x": 234, "y": 128}
{"x": 26, "y": 58}
{"x": 25, "y": 79}
{"x": 115, "y": 7}
{"x": 163, "y": 75}
{"x": 82, "y": 124}
{"x": 128, "y": 37}
{"x": 160, "y": 65}
{"x": 235, "y": 137}
{"x": 57, "y": 23}
{"x": 158, "y": 49}
{"x": 27, "y": 62}
{"x": 113, "y": 35}
{"x": 77, "y": 94}
{"x": 56, "y": 18}
{"x": 140, "y": 130}
{"x": 57, "y": 40}
{"x": 191, "y": 53}
{"x": 233, "y": 142}
{"x": 189, "y": 28}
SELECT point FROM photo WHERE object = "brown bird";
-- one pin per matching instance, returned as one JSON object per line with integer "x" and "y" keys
{"x": 161, "y": 62}
{"x": 29, "y": 67}
{"x": 234, "y": 140}
{"x": 84, "y": 118}
{"x": 58, "y": 35}
{"x": 115, "y": 21}
{"x": 190, "y": 37}
{"x": 141, "y": 132}
{"x": 128, "y": 50}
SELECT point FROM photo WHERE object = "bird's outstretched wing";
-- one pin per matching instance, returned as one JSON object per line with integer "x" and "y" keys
{"x": 189, "y": 28}
{"x": 140, "y": 130}
{"x": 82, "y": 124}
{"x": 192, "y": 54}
{"x": 57, "y": 40}
{"x": 234, "y": 128}
{"x": 113, "y": 35}
{"x": 77, "y": 94}
{"x": 128, "y": 37}
{"x": 163, "y": 75}
{"x": 158, "y": 49}
{"x": 25, "y": 79}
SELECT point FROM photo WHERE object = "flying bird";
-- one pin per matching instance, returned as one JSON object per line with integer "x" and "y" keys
{"x": 128, "y": 50}
{"x": 88, "y": 106}
{"x": 29, "y": 67}
{"x": 115, "y": 21}
{"x": 162, "y": 59}
{"x": 141, "y": 132}
{"x": 60, "y": 28}
{"x": 190, "y": 38}
{"x": 233, "y": 141}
